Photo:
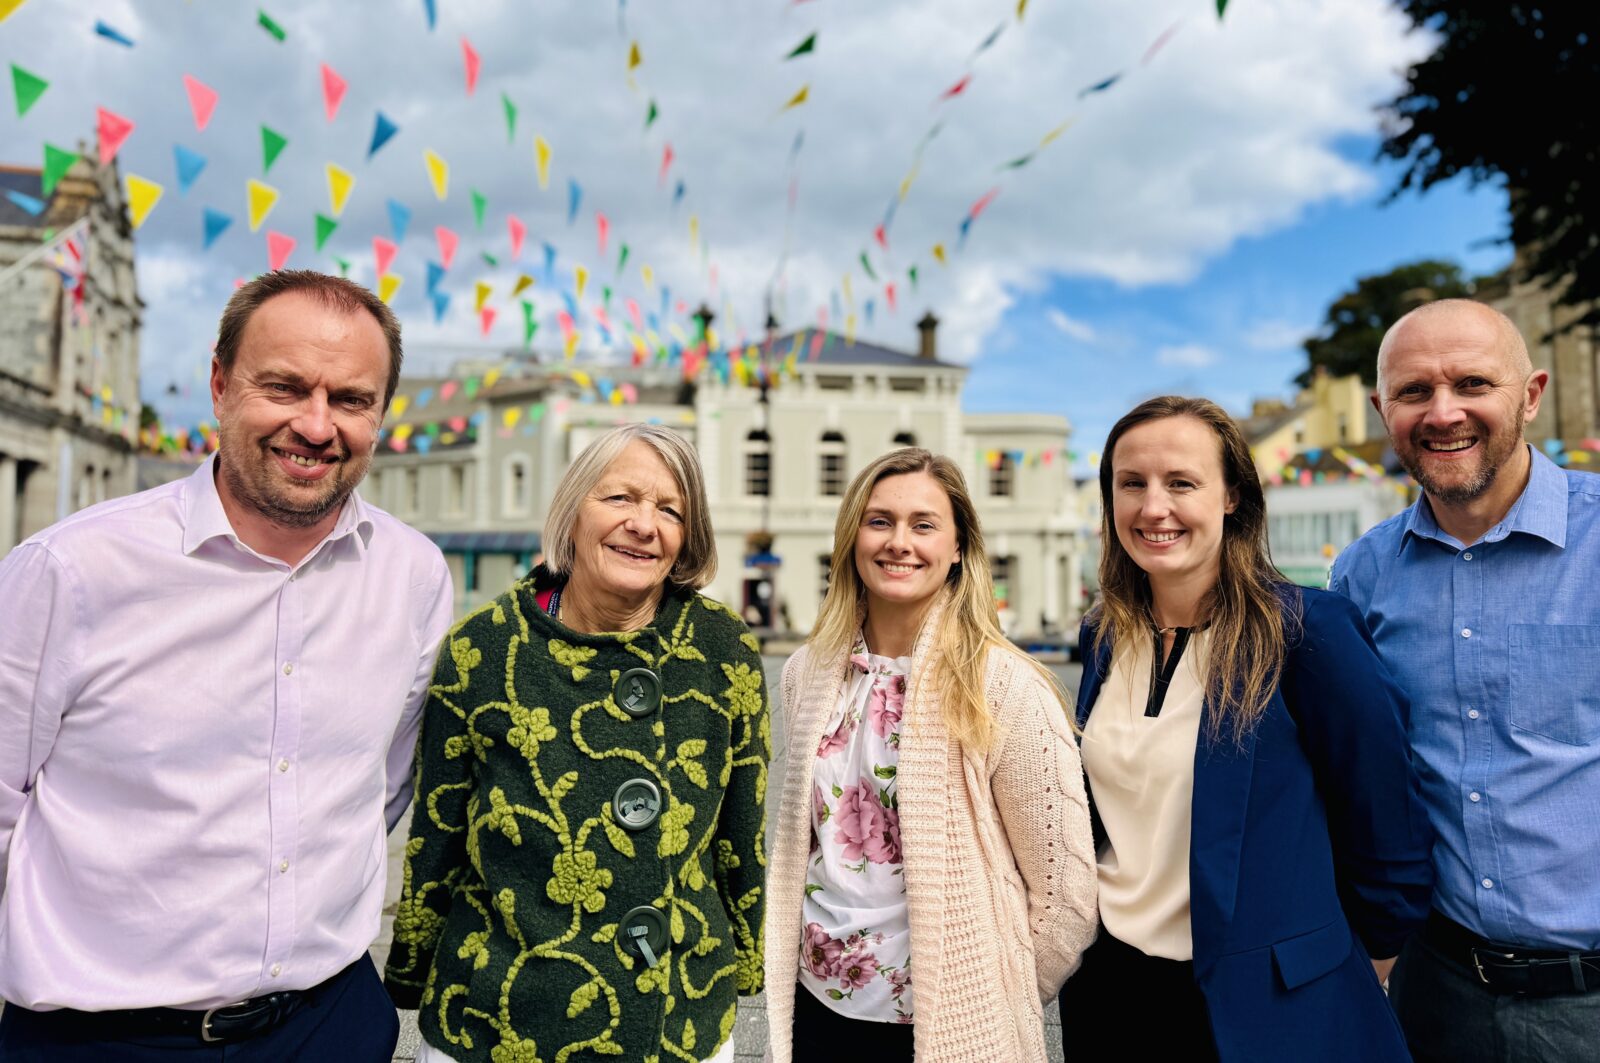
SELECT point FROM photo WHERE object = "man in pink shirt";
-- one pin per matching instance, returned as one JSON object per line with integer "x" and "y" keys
{"x": 209, "y": 697}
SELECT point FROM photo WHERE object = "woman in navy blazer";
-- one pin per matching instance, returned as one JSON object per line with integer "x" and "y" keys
{"x": 1263, "y": 849}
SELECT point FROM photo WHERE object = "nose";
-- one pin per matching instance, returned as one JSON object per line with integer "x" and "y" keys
{"x": 1156, "y": 504}
{"x": 1443, "y": 410}
{"x": 900, "y": 538}
{"x": 313, "y": 419}
{"x": 642, "y": 521}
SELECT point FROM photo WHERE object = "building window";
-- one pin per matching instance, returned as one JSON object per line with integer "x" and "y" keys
{"x": 456, "y": 494}
{"x": 905, "y": 439}
{"x": 1002, "y": 476}
{"x": 1002, "y": 570}
{"x": 831, "y": 465}
{"x": 1344, "y": 428}
{"x": 824, "y": 572}
{"x": 517, "y": 495}
{"x": 413, "y": 491}
{"x": 758, "y": 464}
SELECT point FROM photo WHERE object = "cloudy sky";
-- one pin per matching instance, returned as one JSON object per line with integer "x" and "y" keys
{"x": 1184, "y": 234}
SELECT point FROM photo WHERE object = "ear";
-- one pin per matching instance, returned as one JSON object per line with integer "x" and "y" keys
{"x": 1535, "y": 394}
{"x": 1233, "y": 500}
{"x": 219, "y": 384}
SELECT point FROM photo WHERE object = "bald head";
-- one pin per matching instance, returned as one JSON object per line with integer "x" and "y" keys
{"x": 1456, "y": 324}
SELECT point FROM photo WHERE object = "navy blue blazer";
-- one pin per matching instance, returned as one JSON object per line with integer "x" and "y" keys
{"x": 1309, "y": 850}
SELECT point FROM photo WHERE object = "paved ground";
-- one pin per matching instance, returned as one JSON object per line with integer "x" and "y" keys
{"x": 750, "y": 1032}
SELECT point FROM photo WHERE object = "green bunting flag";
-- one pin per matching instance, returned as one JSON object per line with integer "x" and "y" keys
{"x": 272, "y": 145}
{"x": 511, "y": 118}
{"x": 651, "y": 115}
{"x": 265, "y": 21}
{"x": 529, "y": 325}
{"x": 56, "y": 164}
{"x": 622, "y": 258}
{"x": 490, "y": 261}
{"x": 809, "y": 45}
{"x": 28, "y": 87}
{"x": 912, "y": 273}
{"x": 1222, "y": 6}
{"x": 344, "y": 266}
{"x": 866, "y": 265}
{"x": 479, "y": 203}
{"x": 325, "y": 227}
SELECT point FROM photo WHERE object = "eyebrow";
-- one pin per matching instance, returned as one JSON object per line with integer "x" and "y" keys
{"x": 1185, "y": 473}
{"x": 879, "y": 511}
{"x": 288, "y": 376}
{"x": 612, "y": 487}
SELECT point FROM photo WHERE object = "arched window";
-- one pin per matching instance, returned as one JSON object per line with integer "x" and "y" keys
{"x": 517, "y": 488}
{"x": 1003, "y": 476}
{"x": 758, "y": 464}
{"x": 831, "y": 464}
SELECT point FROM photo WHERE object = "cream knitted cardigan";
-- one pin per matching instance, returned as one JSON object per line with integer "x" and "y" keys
{"x": 999, "y": 859}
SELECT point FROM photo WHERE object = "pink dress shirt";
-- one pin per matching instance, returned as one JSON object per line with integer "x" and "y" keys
{"x": 202, "y": 749}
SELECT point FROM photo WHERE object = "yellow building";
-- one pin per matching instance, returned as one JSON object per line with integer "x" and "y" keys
{"x": 1333, "y": 411}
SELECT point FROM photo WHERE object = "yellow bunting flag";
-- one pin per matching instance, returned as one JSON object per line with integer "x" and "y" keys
{"x": 400, "y": 404}
{"x": 634, "y": 58}
{"x": 711, "y": 338}
{"x": 648, "y": 275}
{"x": 907, "y": 181}
{"x": 1057, "y": 131}
{"x": 480, "y": 295}
{"x": 8, "y": 6}
{"x": 340, "y": 182}
{"x": 402, "y": 431}
{"x": 262, "y": 199}
{"x": 511, "y": 417}
{"x": 850, "y": 328}
{"x": 438, "y": 173}
{"x": 694, "y": 229}
{"x": 849, "y": 300}
{"x": 142, "y": 197}
{"x": 541, "y": 155}
{"x": 569, "y": 346}
{"x": 1022, "y": 7}
{"x": 616, "y": 396}
{"x": 798, "y": 98}
{"x": 580, "y": 378}
{"x": 580, "y": 280}
{"x": 388, "y": 284}
{"x": 938, "y": 253}
{"x": 490, "y": 377}
{"x": 524, "y": 282}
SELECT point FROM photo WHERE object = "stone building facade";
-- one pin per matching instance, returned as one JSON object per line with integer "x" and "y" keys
{"x": 69, "y": 349}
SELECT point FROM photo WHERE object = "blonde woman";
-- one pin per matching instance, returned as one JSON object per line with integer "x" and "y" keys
{"x": 932, "y": 877}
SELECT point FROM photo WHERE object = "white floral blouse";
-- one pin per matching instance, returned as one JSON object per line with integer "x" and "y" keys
{"x": 855, "y": 949}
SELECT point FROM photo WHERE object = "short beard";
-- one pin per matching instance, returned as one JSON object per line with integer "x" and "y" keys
{"x": 274, "y": 511}
{"x": 1474, "y": 486}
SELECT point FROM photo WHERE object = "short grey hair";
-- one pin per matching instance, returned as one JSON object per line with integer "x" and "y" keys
{"x": 697, "y": 560}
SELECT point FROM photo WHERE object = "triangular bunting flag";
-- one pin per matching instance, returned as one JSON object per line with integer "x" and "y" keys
{"x": 142, "y": 197}
{"x": 325, "y": 227}
{"x": 448, "y": 241}
{"x": 399, "y": 219}
{"x": 382, "y": 131}
{"x": 383, "y": 252}
{"x": 469, "y": 57}
{"x": 602, "y": 227}
{"x": 524, "y": 282}
{"x": 28, "y": 88}
{"x": 388, "y": 284}
{"x": 435, "y": 275}
{"x": 333, "y": 88}
{"x": 441, "y": 303}
{"x": 215, "y": 223}
{"x": 651, "y": 114}
{"x": 541, "y": 155}
{"x": 343, "y": 264}
{"x": 486, "y": 319}
{"x": 202, "y": 100}
{"x": 805, "y": 47}
{"x": 511, "y": 118}
{"x": 574, "y": 198}
{"x": 113, "y": 130}
{"x": 480, "y": 295}
{"x": 32, "y": 204}
{"x": 190, "y": 163}
{"x": 518, "y": 232}
{"x": 340, "y": 182}
{"x": 580, "y": 278}
{"x": 272, "y": 145}
{"x": 266, "y": 22}
{"x": 438, "y": 173}
{"x": 261, "y": 198}
{"x": 430, "y": 11}
{"x": 798, "y": 98}
{"x": 111, "y": 33}
{"x": 479, "y": 203}
{"x": 56, "y": 164}
{"x": 279, "y": 248}
{"x": 529, "y": 325}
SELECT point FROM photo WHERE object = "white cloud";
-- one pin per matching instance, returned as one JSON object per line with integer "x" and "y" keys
{"x": 1187, "y": 355}
{"x": 1070, "y": 327}
{"x": 1276, "y": 335}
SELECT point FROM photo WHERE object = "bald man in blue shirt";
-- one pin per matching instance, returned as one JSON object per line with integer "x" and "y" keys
{"x": 1484, "y": 599}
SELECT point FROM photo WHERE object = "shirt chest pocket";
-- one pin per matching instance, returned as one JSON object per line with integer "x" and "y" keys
{"x": 1555, "y": 681}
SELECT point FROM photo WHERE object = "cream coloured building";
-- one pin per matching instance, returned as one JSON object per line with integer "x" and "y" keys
{"x": 775, "y": 470}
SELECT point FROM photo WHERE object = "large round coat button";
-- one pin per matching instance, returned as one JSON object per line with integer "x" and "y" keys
{"x": 636, "y": 804}
{"x": 644, "y": 933}
{"x": 638, "y": 692}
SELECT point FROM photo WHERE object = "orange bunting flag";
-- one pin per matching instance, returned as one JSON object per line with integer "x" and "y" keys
{"x": 602, "y": 229}
{"x": 333, "y": 87}
{"x": 113, "y": 130}
{"x": 279, "y": 248}
{"x": 470, "y": 57}
{"x": 518, "y": 232}
{"x": 448, "y": 242}
{"x": 383, "y": 252}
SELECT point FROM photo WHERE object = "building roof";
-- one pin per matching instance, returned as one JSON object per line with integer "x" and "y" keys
{"x": 837, "y": 351}
{"x": 29, "y": 183}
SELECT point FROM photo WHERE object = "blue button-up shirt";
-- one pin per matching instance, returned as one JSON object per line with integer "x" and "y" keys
{"x": 1498, "y": 645}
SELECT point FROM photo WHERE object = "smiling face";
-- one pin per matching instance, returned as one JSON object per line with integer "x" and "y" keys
{"x": 907, "y": 541}
{"x": 1454, "y": 391}
{"x": 1170, "y": 498}
{"x": 629, "y": 529}
{"x": 299, "y": 410}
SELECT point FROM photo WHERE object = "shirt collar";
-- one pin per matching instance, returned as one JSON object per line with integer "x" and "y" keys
{"x": 204, "y": 518}
{"x": 1540, "y": 510}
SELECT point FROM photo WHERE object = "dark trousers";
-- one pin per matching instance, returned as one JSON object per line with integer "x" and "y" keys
{"x": 1122, "y": 1004}
{"x": 822, "y": 1035}
{"x": 352, "y": 1021}
{"x": 1450, "y": 1016}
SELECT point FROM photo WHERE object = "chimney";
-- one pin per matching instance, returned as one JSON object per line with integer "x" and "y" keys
{"x": 928, "y": 349}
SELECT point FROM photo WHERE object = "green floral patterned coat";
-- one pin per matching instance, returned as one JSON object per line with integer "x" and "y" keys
{"x": 559, "y": 802}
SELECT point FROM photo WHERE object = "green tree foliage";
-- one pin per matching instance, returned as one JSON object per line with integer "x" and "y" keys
{"x": 1501, "y": 99}
{"x": 1356, "y": 321}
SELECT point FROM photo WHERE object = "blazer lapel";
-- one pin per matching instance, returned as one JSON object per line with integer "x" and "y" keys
{"x": 1221, "y": 803}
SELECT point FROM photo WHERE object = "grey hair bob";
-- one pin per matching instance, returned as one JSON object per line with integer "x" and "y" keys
{"x": 697, "y": 560}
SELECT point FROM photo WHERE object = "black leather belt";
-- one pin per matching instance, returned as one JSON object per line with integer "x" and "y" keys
{"x": 1510, "y": 968}
{"x": 227, "y": 1023}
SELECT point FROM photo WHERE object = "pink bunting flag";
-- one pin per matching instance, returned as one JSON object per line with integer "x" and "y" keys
{"x": 888, "y": 295}
{"x": 383, "y": 251}
{"x": 635, "y": 316}
{"x": 603, "y": 228}
{"x": 333, "y": 87}
{"x": 666, "y": 164}
{"x": 279, "y": 248}
{"x": 564, "y": 320}
{"x": 473, "y": 63}
{"x": 881, "y": 234}
{"x": 983, "y": 202}
{"x": 957, "y": 89}
{"x": 448, "y": 241}
{"x": 202, "y": 100}
{"x": 113, "y": 130}
{"x": 518, "y": 232}
{"x": 1160, "y": 42}
{"x": 713, "y": 279}
{"x": 486, "y": 319}
{"x": 447, "y": 389}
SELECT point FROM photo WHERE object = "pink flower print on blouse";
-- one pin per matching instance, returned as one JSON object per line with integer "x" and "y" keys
{"x": 866, "y": 828}
{"x": 886, "y": 705}
{"x": 856, "y": 971}
{"x": 900, "y": 979}
{"x": 840, "y": 739}
{"x": 820, "y": 952}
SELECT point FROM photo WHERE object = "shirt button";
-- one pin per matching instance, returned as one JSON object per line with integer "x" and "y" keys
{"x": 277, "y": 969}
{"x": 283, "y": 866}
{"x": 1472, "y": 714}
{"x": 1467, "y": 556}
{"x": 1488, "y": 883}
{"x": 1474, "y": 797}
{"x": 283, "y": 765}
{"x": 288, "y": 668}
{"x": 1466, "y": 633}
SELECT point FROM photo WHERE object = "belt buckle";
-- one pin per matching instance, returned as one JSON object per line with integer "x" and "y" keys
{"x": 1477, "y": 962}
{"x": 205, "y": 1021}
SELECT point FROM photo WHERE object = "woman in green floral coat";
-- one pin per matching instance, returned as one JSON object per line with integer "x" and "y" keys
{"x": 585, "y": 873}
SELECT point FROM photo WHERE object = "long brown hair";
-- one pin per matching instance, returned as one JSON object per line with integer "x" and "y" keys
{"x": 969, "y": 627}
{"x": 1250, "y": 626}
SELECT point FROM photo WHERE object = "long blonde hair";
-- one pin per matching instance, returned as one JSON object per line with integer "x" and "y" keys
{"x": 1252, "y": 610}
{"x": 968, "y": 628}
